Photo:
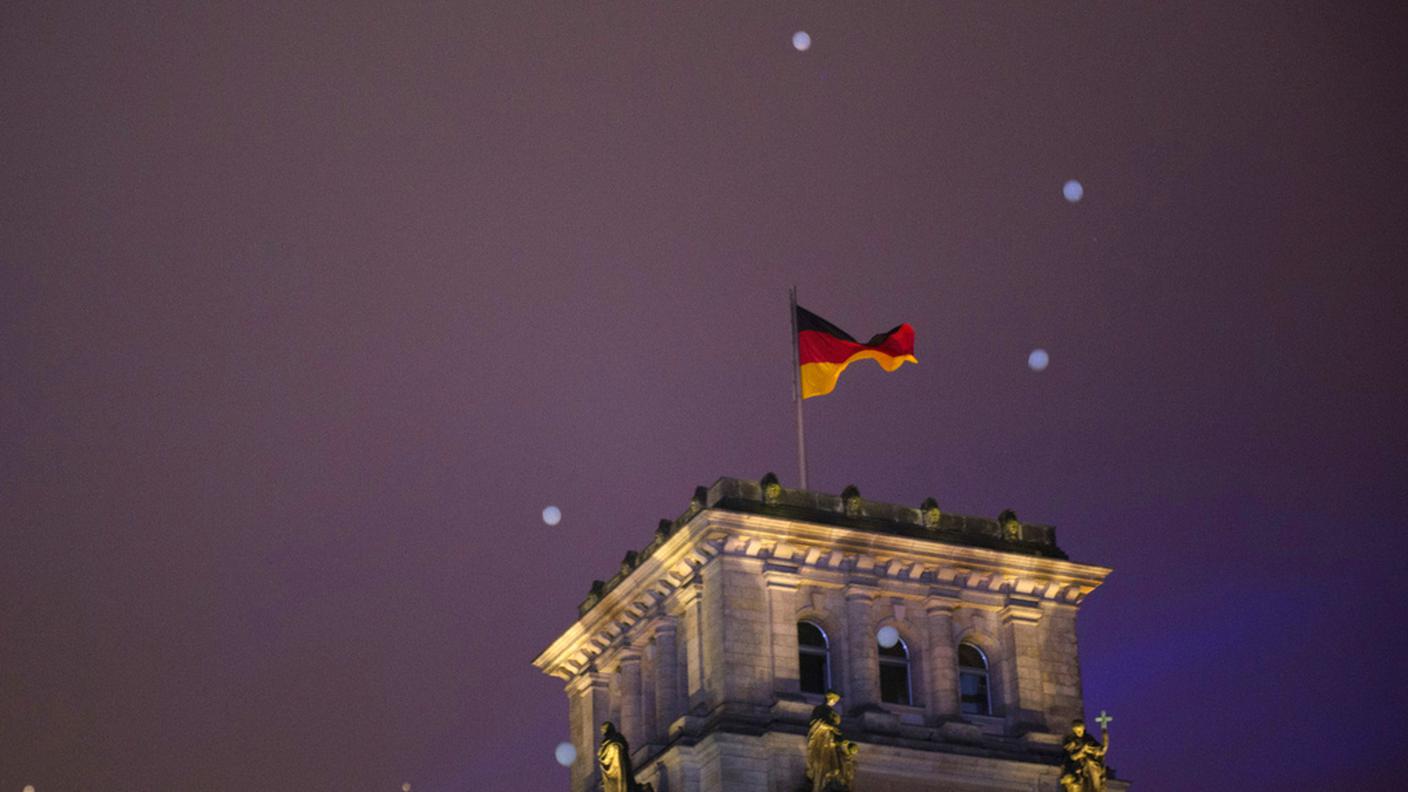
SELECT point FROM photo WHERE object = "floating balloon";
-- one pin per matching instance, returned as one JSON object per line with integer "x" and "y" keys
{"x": 801, "y": 41}
{"x": 552, "y": 515}
{"x": 888, "y": 637}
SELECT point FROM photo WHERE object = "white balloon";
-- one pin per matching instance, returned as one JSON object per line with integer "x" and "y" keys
{"x": 552, "y": 515}
{"x": 1072, "y": 190}
{"x": 566, "y": 754}
{"x": 1038, "y": 360}
{"x": 888, "y": 637}
{"x": 801, "y": 41}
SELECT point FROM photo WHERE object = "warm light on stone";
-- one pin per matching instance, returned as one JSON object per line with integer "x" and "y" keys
{"x": 704, "y": 619}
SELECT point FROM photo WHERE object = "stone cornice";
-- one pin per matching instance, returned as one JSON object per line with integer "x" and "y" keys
{"x": 862, "y": 560}
{"x": 635, "y": 597}
{"x": 852, "y": 558}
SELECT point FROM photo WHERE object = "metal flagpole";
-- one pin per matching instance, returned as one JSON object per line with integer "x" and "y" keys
{"x": 797, "y": 391}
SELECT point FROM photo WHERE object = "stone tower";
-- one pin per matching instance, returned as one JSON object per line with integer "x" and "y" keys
{"x": 710, "y": 647}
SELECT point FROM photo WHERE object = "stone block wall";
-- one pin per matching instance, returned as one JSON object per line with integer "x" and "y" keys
{"x": 696, "y": 658}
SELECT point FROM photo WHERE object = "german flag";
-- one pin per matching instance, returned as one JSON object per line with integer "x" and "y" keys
{"x": 825, "y": 350}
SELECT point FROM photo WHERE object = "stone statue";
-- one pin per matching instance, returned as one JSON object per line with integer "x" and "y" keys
{"x": 1084, "y": 769}
{"x": 615, "y": 758}
{"x": 830, "y": 757}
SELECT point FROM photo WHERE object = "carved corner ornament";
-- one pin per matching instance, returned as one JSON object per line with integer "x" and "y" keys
{"x": 1011, "y": 528}
{"x": 697, "y": 501}
{"x": 772, "y": 488}
{"x": 850, "y": 500}
{"x": 930, "y": 514}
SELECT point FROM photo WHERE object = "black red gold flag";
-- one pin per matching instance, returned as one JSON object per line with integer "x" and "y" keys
{"x": 825, "y": 350}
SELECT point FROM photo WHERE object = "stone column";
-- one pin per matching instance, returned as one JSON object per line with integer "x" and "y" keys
{"x": 629, "y": 703}
{"x": 1021, "y": 621}
{"x": 667, "y": 679}
{"x": 782, "y": 584}
{"x": 588, "y": 704}
{"x": 691, "y": 599}
{"x": 648, "y": 730}
{"x": 862, "y": 653}
{"x": 942, "y": 656}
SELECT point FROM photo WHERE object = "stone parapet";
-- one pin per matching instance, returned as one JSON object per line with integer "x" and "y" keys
{"x": 692, "y": 645}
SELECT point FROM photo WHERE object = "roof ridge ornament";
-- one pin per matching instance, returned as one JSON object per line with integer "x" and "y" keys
{"x": 697, "y": 502}
{"x": 772, "y": 489}
{"x": 1010, "y": 526}
{"x": 850, "y": 500}
{"x": 930, "y": 514}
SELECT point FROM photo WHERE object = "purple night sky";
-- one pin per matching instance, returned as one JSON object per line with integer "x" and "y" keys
{"x": 307, "y": 310}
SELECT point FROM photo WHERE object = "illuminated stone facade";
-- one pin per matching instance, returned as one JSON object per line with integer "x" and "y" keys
{"x": 692, "y": 648}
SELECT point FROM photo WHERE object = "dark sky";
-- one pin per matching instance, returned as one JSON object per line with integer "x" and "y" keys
{"x": 308, "y": 309}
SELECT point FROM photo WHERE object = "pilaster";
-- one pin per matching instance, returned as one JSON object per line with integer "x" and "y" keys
{"x": 667, "y": 675}
{"x": 782, "y": 582}
{"x": 691, "y": 603}
{"x": 1021, "y": 620}
{"x": 943, "y": 656}
{"x": 629, "y": 697}
{"x": 588, "y": 704}
{"x": 648, "y": 730}
{"x": 862, "y": 654}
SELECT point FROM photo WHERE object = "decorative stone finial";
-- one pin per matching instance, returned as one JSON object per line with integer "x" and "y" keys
{"x": 930, "y": 514}
{"x": 772, "y": 490}
{"x": 665, "y": 528}
{"x": 850, "y": 499}
{"x": 1009, "y": 525}
{"x": 697, "y": 501}
{"x": 594, "y": 596}
{"x": 629, "y": 562}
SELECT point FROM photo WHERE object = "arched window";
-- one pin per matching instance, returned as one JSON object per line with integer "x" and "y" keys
{"x": 974, "y": 692}
{"x": 813, "y": 658}
{"x": 894, "y": 674}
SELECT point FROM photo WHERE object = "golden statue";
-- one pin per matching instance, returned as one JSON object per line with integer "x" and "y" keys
{"x": 1084, "y": 769}
{"x": 831, "y": 763}
{"x": 615, "y": 759}
{"x": 848, "y": 751}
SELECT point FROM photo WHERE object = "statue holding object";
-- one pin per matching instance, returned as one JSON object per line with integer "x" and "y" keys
{"x": 1084, "y": 769}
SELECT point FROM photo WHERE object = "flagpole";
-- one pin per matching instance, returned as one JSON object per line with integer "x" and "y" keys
{"x": 797, "y": 390}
